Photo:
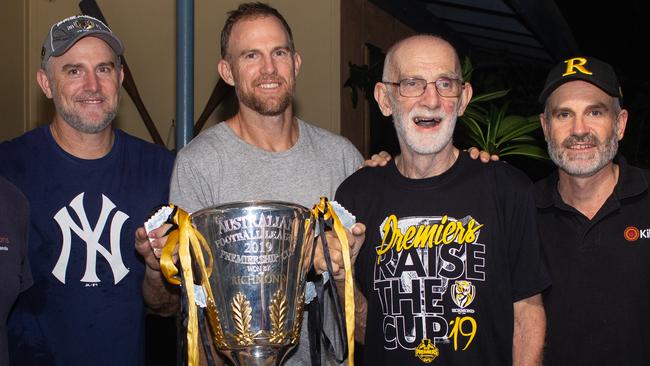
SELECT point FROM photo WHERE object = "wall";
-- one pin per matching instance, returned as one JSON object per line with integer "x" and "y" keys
{"x": 13, "y": 73}
{"x": 147, "y": 28}
{"x": 361, "y": 23}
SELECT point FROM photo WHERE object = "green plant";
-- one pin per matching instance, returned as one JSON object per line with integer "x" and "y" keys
{"x": 363, "y": 78}
{"x": 491, "y": 129}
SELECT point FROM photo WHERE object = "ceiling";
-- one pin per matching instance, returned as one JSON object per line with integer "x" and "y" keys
{"x": 531, "y": 30}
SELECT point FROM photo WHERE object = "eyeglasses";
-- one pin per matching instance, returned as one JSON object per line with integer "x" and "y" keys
{"x": 413, "y": 87}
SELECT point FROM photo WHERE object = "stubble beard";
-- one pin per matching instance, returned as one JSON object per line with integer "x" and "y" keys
{"x": 268, "y": 107}
{"x": 272, "y": 105}
{"x": 73, "y": 117}
{"x": 587, "y": 166}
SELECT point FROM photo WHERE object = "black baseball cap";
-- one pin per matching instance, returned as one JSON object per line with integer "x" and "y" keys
{"x": 69, "y": 31}
{"x": 589, "y": 69}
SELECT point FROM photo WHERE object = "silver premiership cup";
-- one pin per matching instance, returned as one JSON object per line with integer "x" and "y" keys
{"x": 262, "y": 252}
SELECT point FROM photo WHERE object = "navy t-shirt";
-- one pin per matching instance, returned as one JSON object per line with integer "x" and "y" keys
{"x": 15, "y": 275}
{"x": 443, "y": 261}
{"x": 86, "y": 306}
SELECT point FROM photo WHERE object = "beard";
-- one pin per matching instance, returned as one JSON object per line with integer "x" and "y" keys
{"x": 270, "y": 106}
{"x": 424, "y": 143}
{"x": 583, "y": 165}
{"x": 74, "y": 118}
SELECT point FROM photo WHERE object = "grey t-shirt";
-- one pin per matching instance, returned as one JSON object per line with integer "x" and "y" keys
{"x": 218, "y": 167}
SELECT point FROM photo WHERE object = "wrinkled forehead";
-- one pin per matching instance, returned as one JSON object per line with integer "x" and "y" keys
{"x": 426, "y": 58}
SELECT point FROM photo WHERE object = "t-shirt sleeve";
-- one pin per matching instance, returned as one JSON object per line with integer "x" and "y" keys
{"x": 188, "y": 188}
{"x": 353, "y": 159}
{"x": 344, "y": 154}
{"x": 528, "y": 271}
{"x": 344, "y": 195}
{"x": 349, "y": 197}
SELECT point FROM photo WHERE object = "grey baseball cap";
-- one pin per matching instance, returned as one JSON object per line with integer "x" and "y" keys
{"x": 67, "y": 32}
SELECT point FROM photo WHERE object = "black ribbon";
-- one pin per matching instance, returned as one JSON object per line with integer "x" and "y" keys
{"x": 316, "y": 307}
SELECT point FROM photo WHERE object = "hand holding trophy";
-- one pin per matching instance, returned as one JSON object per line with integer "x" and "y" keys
{"x": 251, "y": 259}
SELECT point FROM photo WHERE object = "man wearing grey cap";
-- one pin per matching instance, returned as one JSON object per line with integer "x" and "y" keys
{"x": 89, "y": 185}
{"x": 594, "y": 220}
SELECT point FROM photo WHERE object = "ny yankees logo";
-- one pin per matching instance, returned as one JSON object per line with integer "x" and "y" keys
{"x": 91, "y": 237}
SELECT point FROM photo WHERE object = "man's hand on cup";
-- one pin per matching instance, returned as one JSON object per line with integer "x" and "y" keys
{"x": 151, "y": 250}
{"x": 355, "y": 237}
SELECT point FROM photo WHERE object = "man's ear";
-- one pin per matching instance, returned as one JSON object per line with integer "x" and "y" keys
{"x": 297, "y": 62}
{"x": 543, "y": 122}
{"x": 44, "y": 83}
{"x": 121, "y": 74}
{"x": 382, "y": 98}
{"x": 621, "y": 123}
{"x": 223, "y": 67}
{"x": 465, "y": 97}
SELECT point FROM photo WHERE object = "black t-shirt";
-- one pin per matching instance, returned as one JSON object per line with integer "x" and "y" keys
{"x": 455, "y": 252}
{"x": 15, "y": 275}
{"x": 598, "y": 310}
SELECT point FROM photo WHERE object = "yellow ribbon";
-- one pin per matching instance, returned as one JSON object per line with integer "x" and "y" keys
{"x": 325, "y": 208}
{"x": 187, "y": 238}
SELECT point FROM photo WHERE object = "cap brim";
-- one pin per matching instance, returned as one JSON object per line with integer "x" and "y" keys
{"x": 107, "y": 37}
{"x": 550, "y": 88}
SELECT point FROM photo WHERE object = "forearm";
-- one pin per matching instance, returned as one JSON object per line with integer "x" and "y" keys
{"x": 160, "y": 297}
{"x": 360, "y": 310}
{"x": 529, "y": 331}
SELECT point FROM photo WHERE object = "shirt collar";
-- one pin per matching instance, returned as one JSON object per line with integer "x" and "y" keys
{"x": 631, "y": 182}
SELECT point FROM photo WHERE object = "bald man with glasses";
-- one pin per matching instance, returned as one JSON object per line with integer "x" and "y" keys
{"x": 450, "y": 268}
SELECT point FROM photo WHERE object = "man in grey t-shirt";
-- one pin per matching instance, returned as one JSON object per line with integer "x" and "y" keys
{"x": 263, "y": 152}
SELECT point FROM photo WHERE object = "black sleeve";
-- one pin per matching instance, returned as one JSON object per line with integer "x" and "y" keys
{"x": 349, "y": 194}
{"x": 527, "y": 268}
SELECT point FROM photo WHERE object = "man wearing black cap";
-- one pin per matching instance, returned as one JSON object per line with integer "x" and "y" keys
{"x": 594, "y": 220}
{"x": 89, "y": 186}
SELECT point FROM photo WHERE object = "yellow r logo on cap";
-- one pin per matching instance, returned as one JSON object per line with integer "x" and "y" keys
{"x": 574, "y": 64}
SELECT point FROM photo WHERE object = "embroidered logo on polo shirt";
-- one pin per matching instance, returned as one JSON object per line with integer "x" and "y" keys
{"x": 632, "y": 233}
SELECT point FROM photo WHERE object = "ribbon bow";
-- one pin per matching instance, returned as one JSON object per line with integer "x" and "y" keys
{"x": 187, "y": 241}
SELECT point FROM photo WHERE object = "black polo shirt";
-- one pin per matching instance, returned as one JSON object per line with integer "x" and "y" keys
{"x": 598, "y": 308}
